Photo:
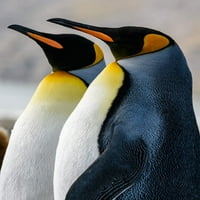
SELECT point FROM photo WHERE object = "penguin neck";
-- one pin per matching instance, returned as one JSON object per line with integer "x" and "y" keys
{"x": 167, "y": 63}
{"x": 58, "y": 88}
{"x": 160, "y": 81}
{"x": 164, "y": 70}
{"x": 104, "y": 89}
{"x": 88, "y": 74}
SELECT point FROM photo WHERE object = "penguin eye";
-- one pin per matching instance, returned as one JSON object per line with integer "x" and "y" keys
{"x": 154, "y": 42}
{"x": 45, "y": 40}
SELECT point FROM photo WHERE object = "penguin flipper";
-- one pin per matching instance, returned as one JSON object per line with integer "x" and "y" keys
{"x": 113, "y": 172}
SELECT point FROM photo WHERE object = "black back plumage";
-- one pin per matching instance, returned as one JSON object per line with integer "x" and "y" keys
{"x": 158, "y": 108}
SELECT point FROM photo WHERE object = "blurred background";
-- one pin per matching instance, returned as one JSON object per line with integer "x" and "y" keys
{"x": 23, "y": 63}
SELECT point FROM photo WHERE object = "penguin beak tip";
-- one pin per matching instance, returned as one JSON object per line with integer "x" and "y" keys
{"x": 63, "y": 22}
{"x": 13, "y": 26}
{"x": 57, "y": 21}
{"x": 52, "y": 19}
{"x": 19, "y": 28}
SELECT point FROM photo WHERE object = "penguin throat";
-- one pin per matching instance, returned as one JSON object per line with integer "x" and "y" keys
{"x": 106, "y": 87}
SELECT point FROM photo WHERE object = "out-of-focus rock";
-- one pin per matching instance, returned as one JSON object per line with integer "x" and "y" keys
{"x": 4, "y": 138}
{"x": 7, "y": 124}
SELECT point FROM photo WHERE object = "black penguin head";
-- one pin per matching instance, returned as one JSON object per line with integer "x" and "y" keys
{"x": 125, "y": 41}
{"x": 65, "y": 51}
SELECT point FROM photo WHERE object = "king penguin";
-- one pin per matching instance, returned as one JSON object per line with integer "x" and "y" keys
{"x": 149, "y": 142}
{"x": 27, "y": 170}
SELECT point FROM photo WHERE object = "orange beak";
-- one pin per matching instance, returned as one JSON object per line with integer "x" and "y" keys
{"x": 92, "y": 30}
{"x": 37, "y": 36}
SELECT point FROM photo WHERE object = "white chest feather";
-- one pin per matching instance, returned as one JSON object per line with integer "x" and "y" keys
{"x": 78, "y": 142}
{"x": 27, "y": 171}
{"x": 30, "y": 156}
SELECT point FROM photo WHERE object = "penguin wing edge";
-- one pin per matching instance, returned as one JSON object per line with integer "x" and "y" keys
{"x": 112, "y": 173}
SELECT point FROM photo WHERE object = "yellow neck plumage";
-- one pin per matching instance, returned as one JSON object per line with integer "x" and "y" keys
{"x": 59, "y": 87}
{"x": 107, "y": 83}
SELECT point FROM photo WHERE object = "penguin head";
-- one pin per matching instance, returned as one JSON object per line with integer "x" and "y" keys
{"x": 124, "y": 42}
{"x": 64, "y": 51}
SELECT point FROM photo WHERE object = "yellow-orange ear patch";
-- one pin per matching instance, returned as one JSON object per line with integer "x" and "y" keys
{"x": 97, "y": 34}
{"x": 99, "y": 54}
{"x": 45, "y": 40}
{"x": 154, "y": 42}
